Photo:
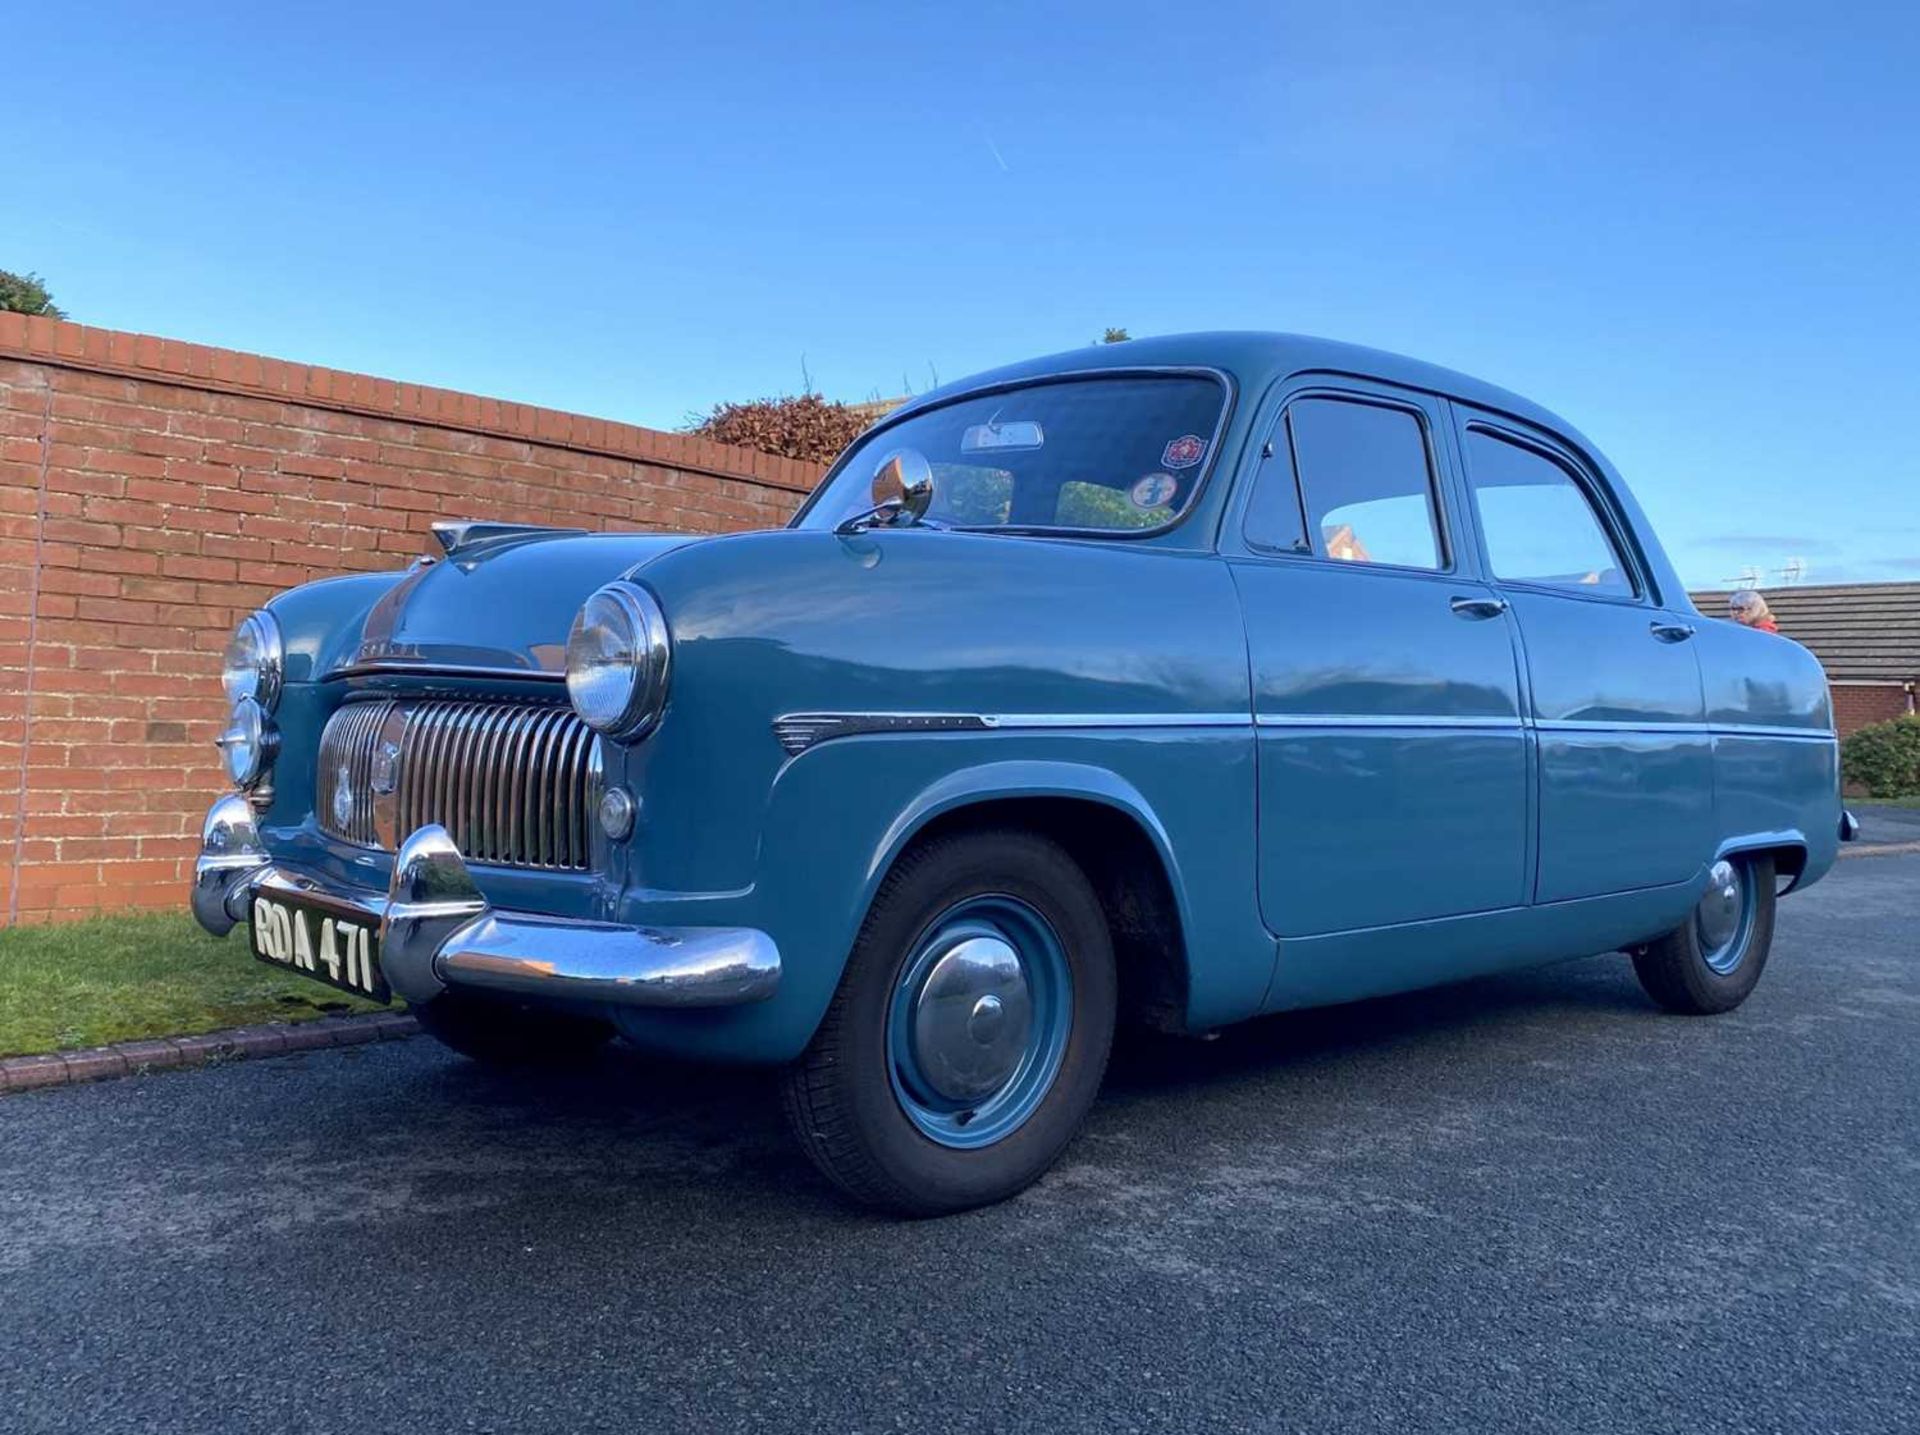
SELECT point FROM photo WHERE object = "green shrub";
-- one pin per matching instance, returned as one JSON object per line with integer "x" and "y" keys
{"x": 1884, "y": 758}
{"x": 27, "y": 294}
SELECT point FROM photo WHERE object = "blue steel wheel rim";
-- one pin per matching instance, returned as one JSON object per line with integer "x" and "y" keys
{"x": 1721, "y": 948}
{"x": 999, "y": 925}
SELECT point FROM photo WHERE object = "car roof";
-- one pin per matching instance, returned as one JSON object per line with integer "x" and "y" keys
{"x": 1255, "y": 359}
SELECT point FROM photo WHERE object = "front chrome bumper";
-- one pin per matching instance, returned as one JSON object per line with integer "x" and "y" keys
{"x": 436, "y": 930}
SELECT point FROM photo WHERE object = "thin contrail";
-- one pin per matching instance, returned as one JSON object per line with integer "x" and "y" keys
{"x": 998, "y": 158}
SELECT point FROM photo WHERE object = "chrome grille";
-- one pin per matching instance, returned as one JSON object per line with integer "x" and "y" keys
{"x": 513, "y": 783}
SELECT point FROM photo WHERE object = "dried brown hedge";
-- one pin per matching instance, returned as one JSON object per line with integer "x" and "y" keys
{"x": 803, "y": 426}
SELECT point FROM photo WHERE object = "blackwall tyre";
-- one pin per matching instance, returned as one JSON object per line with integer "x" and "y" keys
{"x": 1713, "y": 960}
{"x": 970, "y": 1031}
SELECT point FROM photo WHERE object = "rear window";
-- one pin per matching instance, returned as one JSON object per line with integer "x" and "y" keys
{"x": 1113, "y": 454}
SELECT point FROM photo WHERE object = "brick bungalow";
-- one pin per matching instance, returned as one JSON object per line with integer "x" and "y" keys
{"x": 1866, "y": 634}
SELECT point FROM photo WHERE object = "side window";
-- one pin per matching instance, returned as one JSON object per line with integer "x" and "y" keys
{"x": 1539, "y": 524}
{"x": 1274, "y": 520}
{"x": 1366, "y": 482}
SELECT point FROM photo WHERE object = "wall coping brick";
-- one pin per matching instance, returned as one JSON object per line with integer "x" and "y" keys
{"x": 62, "y": 344}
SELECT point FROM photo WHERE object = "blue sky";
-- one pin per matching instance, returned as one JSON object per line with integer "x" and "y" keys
{"x": 1693, "y": 230}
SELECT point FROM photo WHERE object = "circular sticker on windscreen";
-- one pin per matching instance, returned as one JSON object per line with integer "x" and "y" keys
{"x": 1156, "y": 490}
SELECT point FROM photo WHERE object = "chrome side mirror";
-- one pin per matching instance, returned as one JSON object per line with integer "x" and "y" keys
{"x": 903, "y": 484}
{"x": 902, "y": 493}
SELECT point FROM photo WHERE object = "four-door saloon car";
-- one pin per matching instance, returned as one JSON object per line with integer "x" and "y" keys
{"x": 1176, "y": 681}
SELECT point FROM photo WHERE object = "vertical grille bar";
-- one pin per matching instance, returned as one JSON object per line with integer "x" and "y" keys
{"x": 511, "y": 781}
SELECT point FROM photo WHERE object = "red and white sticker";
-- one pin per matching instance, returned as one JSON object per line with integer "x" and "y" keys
{"x": 1184, "y": 452}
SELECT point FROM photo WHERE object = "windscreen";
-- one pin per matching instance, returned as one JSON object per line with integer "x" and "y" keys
{"x": 1112, "y": 454}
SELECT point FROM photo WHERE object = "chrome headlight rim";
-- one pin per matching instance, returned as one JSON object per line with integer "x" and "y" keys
{"x": 259, "y": 632}
{"x": 248, "y": 744}
{"x": 647, "y": 657}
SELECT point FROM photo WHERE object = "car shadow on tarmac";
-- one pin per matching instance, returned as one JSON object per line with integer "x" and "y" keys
{"x": 707, "y": 1122}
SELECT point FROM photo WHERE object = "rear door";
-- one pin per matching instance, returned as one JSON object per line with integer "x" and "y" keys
{"x": 1393, "y": 777}
{"x": 1625, "y": 761}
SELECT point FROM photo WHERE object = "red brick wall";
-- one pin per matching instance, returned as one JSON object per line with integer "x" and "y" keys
{"x": 1855, "y": 705}
{"x": 152, "y": 492}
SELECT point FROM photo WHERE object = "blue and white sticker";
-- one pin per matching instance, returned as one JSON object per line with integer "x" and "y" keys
{"x": 1156, "y": 490}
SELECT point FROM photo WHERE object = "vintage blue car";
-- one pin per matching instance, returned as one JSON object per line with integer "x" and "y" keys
{"x": 1175, "y": 681}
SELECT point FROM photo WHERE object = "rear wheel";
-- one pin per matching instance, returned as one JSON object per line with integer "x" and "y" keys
{"x": 509, "y": 1033}
{"x": 1711, "y": 961}
{"x": 971, "y": 1028}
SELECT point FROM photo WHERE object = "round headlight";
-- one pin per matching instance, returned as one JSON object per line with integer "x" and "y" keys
{"x": 617, "y": 658}
{"x": 247, "y": 745}
{"x": 251, "y": 668}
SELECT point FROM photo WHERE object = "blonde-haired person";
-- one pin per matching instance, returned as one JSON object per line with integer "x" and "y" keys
{"x": 1749, "y": 608}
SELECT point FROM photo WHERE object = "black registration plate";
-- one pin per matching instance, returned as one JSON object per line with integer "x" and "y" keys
{"x": 338, "y": 947}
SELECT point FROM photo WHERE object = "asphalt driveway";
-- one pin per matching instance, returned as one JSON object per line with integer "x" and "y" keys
{"x": 1882, "y": 824}
{"x": 1531, "y": 1202}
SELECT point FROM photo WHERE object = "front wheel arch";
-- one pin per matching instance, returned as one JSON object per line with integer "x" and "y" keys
{"x": 1108, "y": 829}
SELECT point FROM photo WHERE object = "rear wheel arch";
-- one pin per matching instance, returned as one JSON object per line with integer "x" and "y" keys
{"x": 1788, "y": 852}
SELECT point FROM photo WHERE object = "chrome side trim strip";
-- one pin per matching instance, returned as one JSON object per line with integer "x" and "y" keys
{"x": 1047, "y": 720}
{"x": 1615, "y": 725}
{"x": 799, "y": 731}
{"x": 1391, "y": 721}
{"x": 1802, "y": 734}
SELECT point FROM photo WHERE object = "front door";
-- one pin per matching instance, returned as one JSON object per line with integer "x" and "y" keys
{"x": 1616, "y": 698}
{"x": 1393, "y": 769}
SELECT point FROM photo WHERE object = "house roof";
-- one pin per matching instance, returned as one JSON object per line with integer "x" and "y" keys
{"x": 1861, "y": 632}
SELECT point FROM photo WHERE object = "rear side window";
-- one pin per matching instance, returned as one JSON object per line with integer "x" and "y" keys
{"x": 1366, "y": 482}
{"x": 1539, "y": 524}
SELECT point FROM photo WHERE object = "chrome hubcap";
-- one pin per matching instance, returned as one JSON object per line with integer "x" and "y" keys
{"x": 1721, "y": 916}
{"x": 978, "y": 1025}
{"x": 971, "y": 1019}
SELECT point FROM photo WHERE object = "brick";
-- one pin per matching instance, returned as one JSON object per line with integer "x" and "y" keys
{"x": 208, "y": 1047}
{"x": 256, "y": 1040}
{"x": 347, "y": 1030}
{"x": 308, "y": 1036}
{"x": 151, "y": 1055}
{"x": 25, "y": 1073}
{"x": 98, "y": 1064}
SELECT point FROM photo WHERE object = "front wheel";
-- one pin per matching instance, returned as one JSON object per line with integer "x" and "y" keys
{"x": 1711, "y": 961}
{"x": 971, "y": 1028}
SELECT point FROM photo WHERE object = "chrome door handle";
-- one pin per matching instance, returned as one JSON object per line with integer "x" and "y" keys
{"x": 1671, "y": 632}
{"x": 1479, "y": 607}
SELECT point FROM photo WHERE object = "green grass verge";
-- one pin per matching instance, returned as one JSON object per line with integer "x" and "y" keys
{"x": 144, "y": 974}
{"x": 1913, "y": 801}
